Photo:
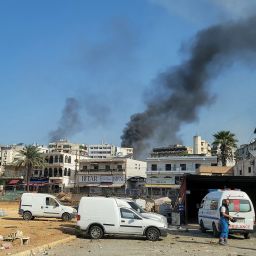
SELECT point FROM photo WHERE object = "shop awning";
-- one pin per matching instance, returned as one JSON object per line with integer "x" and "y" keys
{"x": 91, "y": 185}
{"x": 111, "y": 186}
{"x": 13, "y": 182}
{"x": 162, "y": 186}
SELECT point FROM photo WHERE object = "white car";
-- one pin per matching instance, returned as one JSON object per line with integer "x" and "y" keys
{"x": 99, "y": 216}
{"x": 44, "y": 205}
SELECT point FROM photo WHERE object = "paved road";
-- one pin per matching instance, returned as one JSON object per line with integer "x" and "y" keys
{"x": 176, "y": 243}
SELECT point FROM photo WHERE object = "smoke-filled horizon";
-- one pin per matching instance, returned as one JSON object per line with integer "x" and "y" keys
{"x": 179, "y": 93}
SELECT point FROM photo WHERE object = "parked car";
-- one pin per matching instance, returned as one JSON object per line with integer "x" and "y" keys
{"x": 240, "y": 207}
{"x": 99, "y": 216}
{"x": 127, "y": 202}
{"x": 44, "y": 205}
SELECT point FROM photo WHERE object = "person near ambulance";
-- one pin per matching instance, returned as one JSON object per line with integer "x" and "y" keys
{"x": 224, "y": 222}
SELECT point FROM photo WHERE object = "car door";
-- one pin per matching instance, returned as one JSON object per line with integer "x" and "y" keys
{"x": 51, "y": 208}
{"x": 130, "y": 222}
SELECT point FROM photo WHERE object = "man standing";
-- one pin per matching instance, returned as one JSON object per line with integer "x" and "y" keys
{"x": 181, "y": 209}
{"x": 224, "y": 222}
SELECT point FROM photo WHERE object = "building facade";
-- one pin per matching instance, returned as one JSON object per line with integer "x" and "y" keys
{"x": 246, "y": 160}
{"x": 116, "y": 175}
{"x": 165, "y": 174}
{"x": 108, "y": 151}
{"x": 201, "y": 146}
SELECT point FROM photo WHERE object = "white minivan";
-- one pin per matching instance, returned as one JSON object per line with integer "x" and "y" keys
{"x": 98, "y": 216}
{"x": 44, "y": 205}
{"x": 240, "y": 207}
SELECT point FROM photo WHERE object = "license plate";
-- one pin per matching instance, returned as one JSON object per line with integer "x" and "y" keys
{"x": 240, "y": 221}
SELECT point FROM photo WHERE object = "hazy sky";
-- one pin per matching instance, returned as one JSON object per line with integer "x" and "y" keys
{"x": 105, "y": 54}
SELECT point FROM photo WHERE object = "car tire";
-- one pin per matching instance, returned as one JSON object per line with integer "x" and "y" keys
{"x": 152, "y": 234}
{"x": 27, "y": 216}
{"x": 215, "y": 230}
{"x": 66, "y": 216}
{"x": 96, "y": 232}
{"x": 202, "y": 228}
{"x": 247, "y": 235}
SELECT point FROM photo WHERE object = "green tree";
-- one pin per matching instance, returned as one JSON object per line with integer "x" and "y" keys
{"x": 30, "y": 158}
{"x": 226, "y": 141}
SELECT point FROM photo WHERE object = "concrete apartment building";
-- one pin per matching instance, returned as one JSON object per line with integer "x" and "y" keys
{"x": 201, "y": 146}
{"x": 167, "y": 165}
{"x": 116, "y": 175}
{"x": 246, "y": 160}
{"x": 65, "y": 146}
{"x": 108, "y": 151}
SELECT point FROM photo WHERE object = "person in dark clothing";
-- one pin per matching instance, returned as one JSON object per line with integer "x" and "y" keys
{"x": 181, "y": 209}
{"x": 224, "y": 222}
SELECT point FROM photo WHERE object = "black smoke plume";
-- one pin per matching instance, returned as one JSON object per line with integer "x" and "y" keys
{"x": 181, "y": 91}
{"x": 69, "y": 123}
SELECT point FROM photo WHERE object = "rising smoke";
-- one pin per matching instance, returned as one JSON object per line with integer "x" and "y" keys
{"x": 69, "y": 123}
{"x": 185, "y": 88}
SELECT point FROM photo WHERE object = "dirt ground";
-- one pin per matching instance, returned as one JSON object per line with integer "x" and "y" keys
{"x": 41, "y": 231}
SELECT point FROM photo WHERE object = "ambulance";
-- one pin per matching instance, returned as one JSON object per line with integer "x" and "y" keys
{"x": 240, "y": 207}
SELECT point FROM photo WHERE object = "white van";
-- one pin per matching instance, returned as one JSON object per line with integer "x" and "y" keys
{"x": 44, "y": 205}
{"x": 98, "y": 216}
{"x": 240, "y": 207}
{"x": 127, "y": 202}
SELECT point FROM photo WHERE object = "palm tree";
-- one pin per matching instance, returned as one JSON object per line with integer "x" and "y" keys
{"x": 30, "y": 157}
{"x": 226, "y": 141}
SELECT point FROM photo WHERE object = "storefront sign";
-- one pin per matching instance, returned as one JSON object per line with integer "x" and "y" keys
{"x": 97, "y": 179}
{"x": 161, "y": 180}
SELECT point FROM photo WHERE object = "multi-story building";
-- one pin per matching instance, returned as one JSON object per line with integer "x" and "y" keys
{"x": 65, "y": 146}
{"x": 108, "y": 151}
{"x": 246, "y": 160}
{"x": 114, "y": 175}
{"x": 201, "y": 146}
{"x": 9, "y": 154}
{"x": 165, "y": 172}
{"x": 59, "y": 172}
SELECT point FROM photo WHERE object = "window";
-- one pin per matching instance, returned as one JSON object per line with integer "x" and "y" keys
{"x": 239, "y": 205}
{"x": 69, "y": 159}
{"x": 240, "y": 172}
{"x": 61, "y": 159}
{"x": 51, "y": 202}
{"x": 168, "y": 167}
{"x": 153, "y": 167}
{"x": 56, "y": 159}
{"x": 107, "y": 167}
{"x": 84, "y": 167}
{"x": 55, "y": 172}
{"x": 119, "y": 167}
{"x": 50, "y": 172}
{"x": 249, "y": 169}
{"x": 127, "y": 214}
{"x": 214, "y": 205}
{"x": 183, "y": 167}
{"x": 198, "y": 165}
{"x": 51, "y": 160}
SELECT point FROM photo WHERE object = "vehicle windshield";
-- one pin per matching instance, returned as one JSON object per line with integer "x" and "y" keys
{"x": 136, "y": 207}
{"x": 239, "y": 205}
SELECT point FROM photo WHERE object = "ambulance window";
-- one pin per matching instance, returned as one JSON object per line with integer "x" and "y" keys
{"x": 214, "y": 205}
{"x": 239, "y": 205}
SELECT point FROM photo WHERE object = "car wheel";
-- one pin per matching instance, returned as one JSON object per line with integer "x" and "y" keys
{"x": 202, "y": 228}
{"x": 66, "y": 216}
{"x": 215, "y": 230}
{"x": 247, "y": 235}
{"x": 27, "y": 216}
{"x": 96, "y": 232}
{"x": 152, "y": 234}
